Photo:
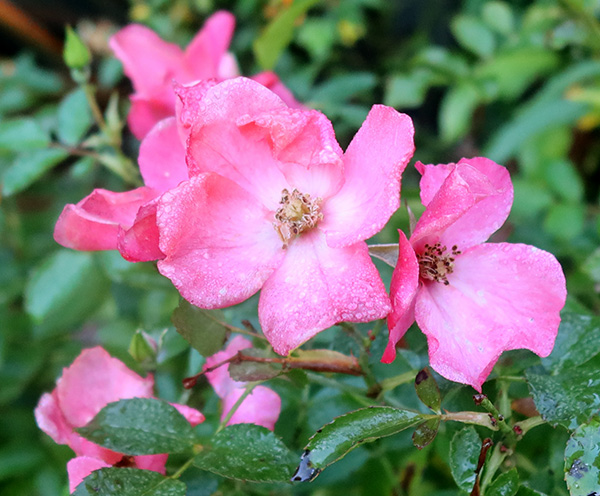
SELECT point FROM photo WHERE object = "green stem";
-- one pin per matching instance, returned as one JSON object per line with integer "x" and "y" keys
{"x": 182, "y": 469}
{"x": 530, "y": 423}
{"x": 476, "y": 418}
{"x": 502, "y": 425}
{"x": 355, "y": 392}
{"x": 493, "y": 464}
{"x": 393, "y": 382}
{"x": 249, "y": 387}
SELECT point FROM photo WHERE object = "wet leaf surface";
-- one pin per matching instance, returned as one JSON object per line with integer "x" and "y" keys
{"x": 129, "y": 482}
{"x": 465, "y": 448}
{"x": 425, "y": 433}
{"x": 582, "y": 460}
{"x": 428, "y": 390}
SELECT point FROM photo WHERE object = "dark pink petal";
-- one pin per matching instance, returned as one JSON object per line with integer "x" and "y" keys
{"x": 261, "y": 407}
{"x": 500, "y": 297}
{"x": 80, "y": 467}
{"x": 139, "y": 243}
{"x": 220, "y": 244}
{"x": 145, "y": 112}
{"x": 147, "y": 60}
{"x": 472, "y": 202}
{"x": 156, "y": 463}
{"x": 188, "y": 103}
{"x": 193, "y": 416}
{"x": 403, "y": 289}
{"x": 219, "y": 379}
{"x": 316, "y": 287}
{"x": 162, "y": 157}
{"x": 204, "y": 53}
{"x": 93, "y": 223}
{"x": 271, "y": 80}
{"x": 304, "y": 145}
{"x": 92, "y": 381}
{"x": 432, "y": 180}
{"x": 240, "y": 157}
{"x": 373, "y": 165}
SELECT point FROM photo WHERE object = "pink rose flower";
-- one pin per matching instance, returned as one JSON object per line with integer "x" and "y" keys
{"x": 262, "y": 406}
{"x": 273, "y": 203}
{"x": 152, "y": 64}
{"x": 92, "y": 381}
{"x": 473, "y": 300}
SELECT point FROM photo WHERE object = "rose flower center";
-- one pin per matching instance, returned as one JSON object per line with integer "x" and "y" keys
{"x": 298, "y": 213}
{"x": 435, "y": 264}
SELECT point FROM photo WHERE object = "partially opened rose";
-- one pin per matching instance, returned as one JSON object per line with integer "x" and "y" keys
{"x": 273, "y": 204}
{"x": 92, "y": 381}
{"x": 473, "y": 300}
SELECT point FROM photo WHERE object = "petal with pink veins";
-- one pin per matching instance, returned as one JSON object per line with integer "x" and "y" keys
{"x": 162, "y": 157}
{"x": 373, "y": 166}
{"x": 92, "y": 381}
{"x": 93, "y": 223}
{"x": 219, "y": 379}
{"x": 261, "y": 407}
{"x": 403, "y": 289}
{"x": 316, "y": 287}
{"x": 472, "y": 202}
{"x": 219, "y": 243}
{"x": 80, "y": 467}
{"x": 500, "y": 297}
{"x": 204, "y": 53}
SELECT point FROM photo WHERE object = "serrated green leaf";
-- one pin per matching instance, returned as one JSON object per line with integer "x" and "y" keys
{"x": 22, "y": 134}
{"x": 577, "y": 342}
{"x": 569, "y": 398}
{"x": 336, "y": 439}
{"x": 246, "y": 371}
{"x": 278, "y": 34}
{"x": 74, "y": 117}
{"x": 29, "y": 167}
{"x": 247, "y": 452}
{"x": 426, "y": 432}
{"x": 428, "y": 390}
{"x": 129, "y": 482}
{"x": 203, "y": 329}
{"x": 582, "y": 460}
{"x": 140, "y": 426}
{"x": 506, "y": 484}
{"x": 473, "y": 35}
{"x": 64, "y": 289}
{"x": 465, "y": 448}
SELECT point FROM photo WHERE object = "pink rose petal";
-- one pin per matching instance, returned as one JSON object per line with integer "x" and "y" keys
{"x": 93, "y": 223}
{"x": 500, "y": 297}
{"x": 373, "y": 166}
{"x": 80, "y": 467}
{"x": 316, "y": 287}
{"x": 220, "y": 244}
{"x": 139, "y": 243}
{"x": 219, "y": 379}
{"x": 261, "y": 407}
{"x": 403, "y": 289}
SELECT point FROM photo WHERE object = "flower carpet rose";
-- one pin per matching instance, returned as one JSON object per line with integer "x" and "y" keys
{"x": 92, "y": 381}
{"x": 273, "y": 204}
{"x": 262, "y": 406}
{"x": 152, "y": 64}
{"x": 473, "y": 300}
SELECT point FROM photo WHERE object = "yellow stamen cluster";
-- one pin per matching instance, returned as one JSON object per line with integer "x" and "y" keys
{"x": 434, "y": 265}
{"x": 298, "y": 213}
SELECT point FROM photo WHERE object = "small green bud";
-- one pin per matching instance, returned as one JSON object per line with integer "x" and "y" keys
{"x": 143, "y": 349}
{"x": 75, "y": 53}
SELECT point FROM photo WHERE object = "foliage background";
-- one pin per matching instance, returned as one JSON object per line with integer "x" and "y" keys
{"x": 515, "y": 81}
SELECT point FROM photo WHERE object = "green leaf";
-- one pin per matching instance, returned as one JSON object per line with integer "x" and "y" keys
{"x": 75, "y": 53}
{"x": 407, "y": 91}
{"x": 506, "y": 484}
{"x": 22, "y": 134}
{"x": 336, "y": 439}
{"x": 342, "y": 88}
{"x": 428, "y": 390}
{"x": 473, "y": 35}
{"x": 246, "y": 371}
{"x": 203, "y": 329}
{"x": 577, "y": 342}
{"x": 74, "y": 117}
{"x": 29, "y": 167}
{"x": 499, "y": 16}
{"x": 563, "y": 179}
{"x": 465, "y": 448}
{"x": 140, "y": 426}
{"x": 582, "y": 460}
{"x": 129, "y": 482}
{"x": 456, "y": 112}
{"x": 565, "y": 221}
{"x": 278, "y": 34}
{"x": 569, "y": 398}
{"x": 426, "y": 432}
{"x": 64, "y": 289}
{"x": 247, "y": 452}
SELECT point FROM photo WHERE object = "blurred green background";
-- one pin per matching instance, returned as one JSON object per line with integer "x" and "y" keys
{"x": 515, "y": 81}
